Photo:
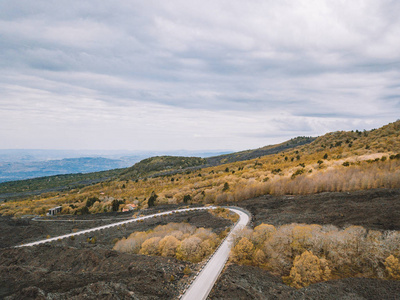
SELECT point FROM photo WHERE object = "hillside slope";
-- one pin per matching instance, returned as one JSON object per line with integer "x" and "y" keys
{"x": 251, "y": 154}
{"x": 384, "y": 139}
{"x": 335, "y": 162}
{"x": 153, "y": 165}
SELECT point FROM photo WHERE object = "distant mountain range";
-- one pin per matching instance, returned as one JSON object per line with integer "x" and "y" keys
{"x": 25, "y": 164}
{"x": 24, "y": 170}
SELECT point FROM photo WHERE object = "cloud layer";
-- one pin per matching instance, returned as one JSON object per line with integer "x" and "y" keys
{"x": 166, "y": 75}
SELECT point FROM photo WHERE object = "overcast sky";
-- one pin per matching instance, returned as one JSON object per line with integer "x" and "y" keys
{"x": 166, "y": 75}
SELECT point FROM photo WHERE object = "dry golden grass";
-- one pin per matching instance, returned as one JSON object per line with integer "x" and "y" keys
{"x": 340, "y": 161}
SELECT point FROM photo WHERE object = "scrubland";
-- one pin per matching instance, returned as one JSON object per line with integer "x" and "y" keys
{"x": 335, "y": 162}
{"x": 301, "y": 254}
{"x": 179, "y": 240}
{"x": 304, "y": 254}
{"x": 182, "y": 241}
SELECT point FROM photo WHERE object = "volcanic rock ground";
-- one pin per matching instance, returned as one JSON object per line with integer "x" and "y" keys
{"x": 246, "y": 282}
{"x": 377, "y": 209}
{"x": 76, "y": 269}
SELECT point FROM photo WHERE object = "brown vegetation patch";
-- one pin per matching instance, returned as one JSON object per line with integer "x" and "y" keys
{"x": 246, "y": 282}
{"x": 180, "y": 240}
{"x": 305, "y": 254}
{"x": 336, "y": 162}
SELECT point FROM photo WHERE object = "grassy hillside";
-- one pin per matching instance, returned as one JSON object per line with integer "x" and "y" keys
{"x": 384, "y": 139}
{"x": 57, "y": 183}
{"x": 150, "y": 167}
{"x": 338, "y": 161}
{"x": 155, "y": 165}
{"x": 251, "y": 154}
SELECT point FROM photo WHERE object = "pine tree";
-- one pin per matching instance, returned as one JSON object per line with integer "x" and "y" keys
{"x": 226, "y": 187}
{"x": 152, "y": 200}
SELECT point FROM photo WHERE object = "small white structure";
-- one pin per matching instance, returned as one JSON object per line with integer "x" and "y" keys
{"x": 129, "y": 207}
{"x": 53, "y": 211}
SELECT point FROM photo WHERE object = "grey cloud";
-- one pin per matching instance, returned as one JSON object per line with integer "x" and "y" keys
{"x": 305, "y": 63}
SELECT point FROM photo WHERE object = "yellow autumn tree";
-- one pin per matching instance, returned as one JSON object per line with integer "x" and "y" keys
{"x": 168, "y": 245}
{"x": 150, "y": 246}
{"x": 243, "y": 251}
{"x": 392, "y": 267}
{"x": 307, "y": 269}
{"x": 189, "y": 249}
{"x": 206, "y": 248}
{"x": 259, "y": 258}
{"x": 301, "y": 238}
{"x": 262, "y": 233}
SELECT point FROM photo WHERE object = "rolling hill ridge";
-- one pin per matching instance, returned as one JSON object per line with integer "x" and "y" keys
{"x": 337, "y": 161}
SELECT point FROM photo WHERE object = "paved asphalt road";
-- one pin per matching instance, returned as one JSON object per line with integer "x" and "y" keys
{"x": 110, "y": 225}
{"x": 206, "y": 279}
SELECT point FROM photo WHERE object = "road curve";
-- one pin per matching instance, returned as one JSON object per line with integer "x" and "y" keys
{"x": 206, "y": 279}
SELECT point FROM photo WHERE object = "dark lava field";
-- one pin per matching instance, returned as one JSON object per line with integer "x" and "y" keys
{"x": 76, "y": 269}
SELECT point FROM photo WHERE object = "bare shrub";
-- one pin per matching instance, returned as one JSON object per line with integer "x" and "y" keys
{"x": 168, "y": 245}
{"x": 150, "y": 246}
{"x": 189, "y": 249}
{"x": 180, "y": 240}
{"x": 350, "y": 252}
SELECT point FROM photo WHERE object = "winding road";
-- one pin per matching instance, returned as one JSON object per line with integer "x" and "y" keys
{"x": 206, "y": 278}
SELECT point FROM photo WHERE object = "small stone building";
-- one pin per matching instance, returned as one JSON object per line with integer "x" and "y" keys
{"x": 54, "y": 211}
